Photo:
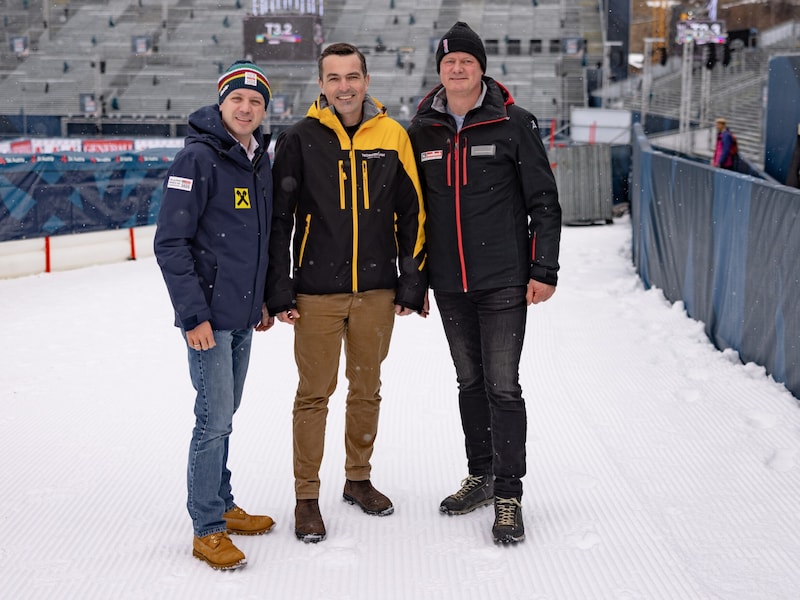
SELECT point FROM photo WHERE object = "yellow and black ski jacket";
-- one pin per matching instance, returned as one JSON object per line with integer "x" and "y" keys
{"x": 350, "y": 209}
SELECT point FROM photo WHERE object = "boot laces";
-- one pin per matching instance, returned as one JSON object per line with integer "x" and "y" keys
{"x": 507, "y": 511}
{"x": 467, "y": 485}
{"x": 216, "y": 538}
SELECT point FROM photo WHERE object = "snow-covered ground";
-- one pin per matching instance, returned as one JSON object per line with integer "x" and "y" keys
{"x": 659, "y": 468}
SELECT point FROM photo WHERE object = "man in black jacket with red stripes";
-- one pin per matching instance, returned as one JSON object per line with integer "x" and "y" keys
{"x": 493, "y": 231}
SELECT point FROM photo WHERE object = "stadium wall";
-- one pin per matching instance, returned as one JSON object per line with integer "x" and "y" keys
{"x": 725, "y": 245}
{"x": 50, "y": 191}
{"x": 44, "y": 195}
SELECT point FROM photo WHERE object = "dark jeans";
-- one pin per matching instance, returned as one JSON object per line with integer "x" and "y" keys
{"x": 485, "y": 330}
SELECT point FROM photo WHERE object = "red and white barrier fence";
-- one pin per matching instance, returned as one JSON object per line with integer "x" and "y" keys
{"x": 64, "y": 252}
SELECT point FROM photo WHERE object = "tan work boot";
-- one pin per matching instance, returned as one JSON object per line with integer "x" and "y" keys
{"x": 218, "y": 551}
{"x": 367, "y": 497}
{"x": 239, "y": 522}
{"x": 308, "y": 524}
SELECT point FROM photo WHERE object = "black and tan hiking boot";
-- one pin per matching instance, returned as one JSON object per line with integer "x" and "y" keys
{"x": 508, "y": 527}
{"x": 476, "y": 491}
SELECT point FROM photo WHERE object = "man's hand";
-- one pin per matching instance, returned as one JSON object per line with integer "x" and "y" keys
{"x": 201, "y": 337}
{"x": 539, "y": 292}
{"x": 402, "y": 311}
{"x": 266, "y": 321}
{"x": 426, "y": 306}
{"x": 288, "y": 316}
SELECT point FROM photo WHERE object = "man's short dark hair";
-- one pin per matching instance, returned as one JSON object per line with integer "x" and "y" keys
{"x": 342, "y": 49}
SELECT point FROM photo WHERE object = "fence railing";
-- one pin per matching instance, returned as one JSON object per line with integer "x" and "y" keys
{"x": 724, "y": 244}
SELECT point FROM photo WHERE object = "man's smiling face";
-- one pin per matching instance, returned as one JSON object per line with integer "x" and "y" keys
{"x": 344, "y": 85}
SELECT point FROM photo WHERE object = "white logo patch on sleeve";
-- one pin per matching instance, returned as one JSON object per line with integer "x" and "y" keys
{"x": 180, "y": 183}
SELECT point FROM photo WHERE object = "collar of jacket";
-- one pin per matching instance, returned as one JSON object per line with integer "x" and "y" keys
{"x": 205, "y": 125}
{"x": 439, "y": 102}
{"x": 325, "y": 113}
{"x": 496, "y": 100}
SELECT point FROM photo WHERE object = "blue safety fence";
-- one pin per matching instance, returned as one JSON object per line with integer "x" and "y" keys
{"x": 55, "y": 194}
{"x": 725, "y": 244}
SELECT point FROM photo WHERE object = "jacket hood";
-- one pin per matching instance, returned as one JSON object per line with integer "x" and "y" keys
{"x": 372, "y": 108}
{"x": 496, "y": 101}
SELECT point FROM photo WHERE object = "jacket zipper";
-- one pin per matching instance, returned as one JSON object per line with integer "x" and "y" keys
{"x": 342, "y": 180}
{"x": 303, "y": 243}
{"x": 460, "y": 168}
{"x": 256, "y": 204}
{"x": 365, "y": 183}
{"x": 457, "y": 160}
{"x": 354, "y": 210}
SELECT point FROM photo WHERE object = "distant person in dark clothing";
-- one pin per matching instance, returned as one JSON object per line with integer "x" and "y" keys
{"x": 726, "y": 152}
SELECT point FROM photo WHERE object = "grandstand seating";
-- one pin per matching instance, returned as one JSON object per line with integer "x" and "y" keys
{"x": 194, "y": 40}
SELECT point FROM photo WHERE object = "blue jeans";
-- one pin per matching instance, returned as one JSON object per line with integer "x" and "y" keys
{"x": 485, "y": 331}
{"x": 218, "y": 376}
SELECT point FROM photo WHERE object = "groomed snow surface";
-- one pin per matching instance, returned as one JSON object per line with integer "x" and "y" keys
{"x": 658, "y": 467}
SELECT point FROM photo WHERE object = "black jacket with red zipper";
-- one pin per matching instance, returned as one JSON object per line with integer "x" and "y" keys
{"x": 492, "y": 214}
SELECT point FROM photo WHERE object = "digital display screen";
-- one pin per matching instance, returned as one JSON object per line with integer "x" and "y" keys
{"x": 288, "y": 38}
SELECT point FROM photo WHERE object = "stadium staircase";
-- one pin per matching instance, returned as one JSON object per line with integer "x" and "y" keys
{"x": 737, "y": 91}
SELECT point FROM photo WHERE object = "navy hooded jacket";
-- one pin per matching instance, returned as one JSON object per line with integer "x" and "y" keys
{"x": 213, "y": 228}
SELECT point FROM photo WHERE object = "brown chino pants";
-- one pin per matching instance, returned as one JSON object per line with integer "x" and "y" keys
{"x": 364, "y": 321}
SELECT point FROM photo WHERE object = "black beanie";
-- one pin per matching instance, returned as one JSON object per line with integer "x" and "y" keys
{"x": 461, "y": 38}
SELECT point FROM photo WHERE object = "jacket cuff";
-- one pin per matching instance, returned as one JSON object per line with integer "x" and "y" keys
{"x": 410, "y": 299}
{"x": 193, "y": 321}
{"x": 544, "y": 275}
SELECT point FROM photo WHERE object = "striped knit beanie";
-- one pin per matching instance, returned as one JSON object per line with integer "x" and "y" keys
{"x": 244, "y": 74}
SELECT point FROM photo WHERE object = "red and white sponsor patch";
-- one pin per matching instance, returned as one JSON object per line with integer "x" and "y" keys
{"x": 431, "y": 155}
{"x": 180, "y": 183}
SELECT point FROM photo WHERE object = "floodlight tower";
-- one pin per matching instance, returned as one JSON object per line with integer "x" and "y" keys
{"x": 607, "y": 69}
{"x": 647, "y": 74}
{"x": 659, "y": 38}
{"x": 686, "y": 93}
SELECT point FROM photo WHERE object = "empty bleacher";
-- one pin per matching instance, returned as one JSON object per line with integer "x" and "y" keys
{"x": 87, "y": 49}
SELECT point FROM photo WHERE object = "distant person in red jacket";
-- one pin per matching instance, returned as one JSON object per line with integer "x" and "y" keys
{"x": 727, "y": 148}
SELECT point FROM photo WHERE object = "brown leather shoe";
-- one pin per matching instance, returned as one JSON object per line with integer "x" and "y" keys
{"x": 308, "y": 524}
{"x": 218, "y": 551}
{"x": 239, "y": 522}
{"x": 367, "y": 497}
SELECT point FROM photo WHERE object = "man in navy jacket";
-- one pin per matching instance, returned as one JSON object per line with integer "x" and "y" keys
{"x": 211, "y": 243}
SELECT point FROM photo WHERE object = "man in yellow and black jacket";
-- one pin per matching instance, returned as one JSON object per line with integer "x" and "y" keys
{"x": 347, "y": 202}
